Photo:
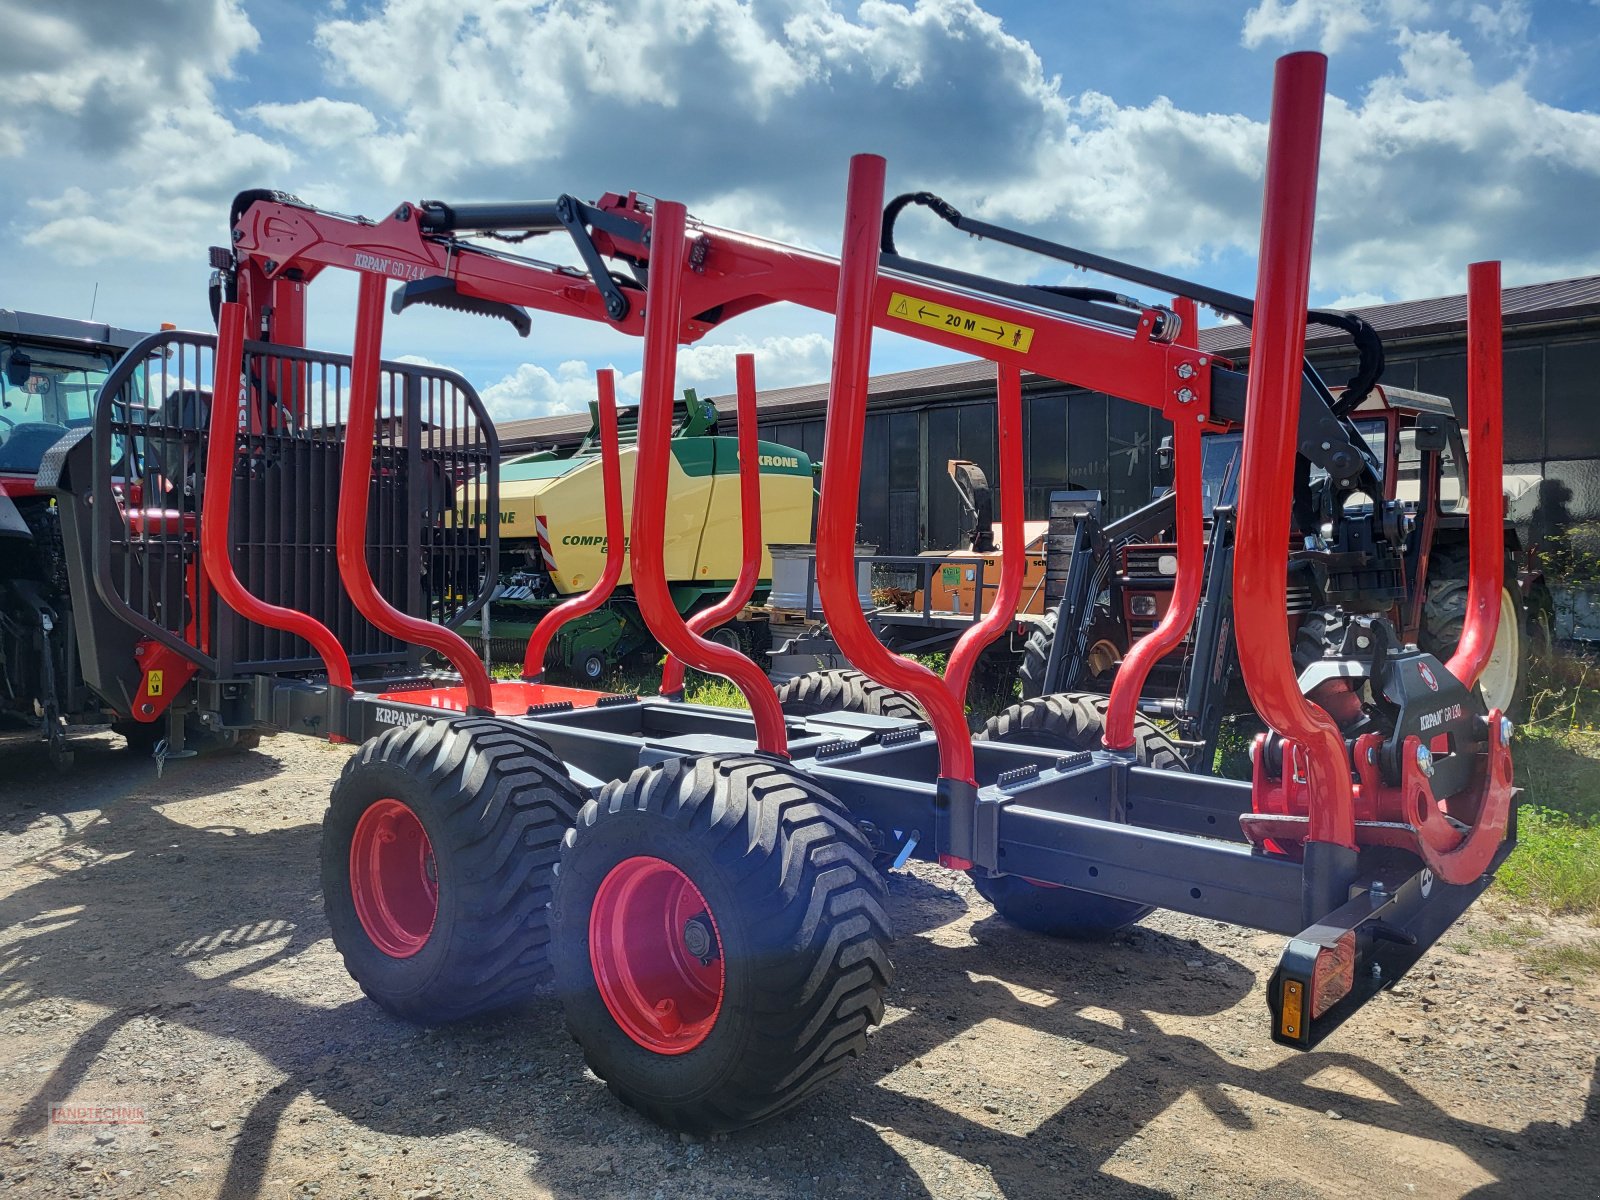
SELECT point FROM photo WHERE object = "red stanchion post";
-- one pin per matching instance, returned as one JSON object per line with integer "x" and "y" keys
{"x": 646, "y": 545}
{"x": 751, "y": 545}
{"x": 616, "y": 537}
{"x": 1485, "y": 475}
{"x": 1013, "y": 554}
{"x": 1187, "y": 480}
{"x": 841, "y": 478}
{"x": 355, "y": 482}
{"x": 1272, "y": 407}
{"x": 216, "y": 508}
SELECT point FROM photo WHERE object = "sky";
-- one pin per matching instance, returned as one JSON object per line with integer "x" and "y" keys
{"x": 1455, "y": 130}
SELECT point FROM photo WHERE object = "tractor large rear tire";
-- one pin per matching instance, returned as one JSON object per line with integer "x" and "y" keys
{"x": 1504, "y": 683}
{"x": 831, "y": 691}
{"x": 819, "y": 692}
{"x": 1036, "y": 655}
{"x": 719, "y": 939}
{"x": 438, "y": 852}
{"x": 1067, "y": 722}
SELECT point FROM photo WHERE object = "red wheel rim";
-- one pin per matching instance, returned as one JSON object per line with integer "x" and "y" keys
{"x": 393, "y": 879}
{"x": 656, "y": 952}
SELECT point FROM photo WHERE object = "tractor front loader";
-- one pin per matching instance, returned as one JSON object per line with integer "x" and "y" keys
{"x": 1111, "y": 583}
{"x": 705, "y": 884}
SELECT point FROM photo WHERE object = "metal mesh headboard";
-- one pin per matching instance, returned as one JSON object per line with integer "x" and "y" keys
{"x": 432, "y": 528}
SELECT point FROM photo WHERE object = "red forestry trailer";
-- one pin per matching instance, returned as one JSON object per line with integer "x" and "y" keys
{"x": 702, "y": 881}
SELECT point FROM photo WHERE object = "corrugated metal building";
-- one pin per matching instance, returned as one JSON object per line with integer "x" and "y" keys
{"x": 918, "y": 420}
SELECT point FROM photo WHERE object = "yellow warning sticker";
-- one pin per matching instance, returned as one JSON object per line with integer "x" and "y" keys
{"x": 157, "y": 679}
{"x": 979, "y": 328}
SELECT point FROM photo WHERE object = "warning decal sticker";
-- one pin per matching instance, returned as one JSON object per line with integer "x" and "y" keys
{"x": 988, "y": 330}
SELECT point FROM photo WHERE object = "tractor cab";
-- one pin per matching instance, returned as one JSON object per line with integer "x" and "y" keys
{"x": 1396, "y": 424}
{"x": 51, "y": 371}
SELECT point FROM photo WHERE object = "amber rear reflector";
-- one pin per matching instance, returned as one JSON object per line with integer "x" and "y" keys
{"x": 1293, "y": 1006}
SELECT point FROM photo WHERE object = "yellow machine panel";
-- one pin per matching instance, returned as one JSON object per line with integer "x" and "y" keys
{"x": 555, "y": 509}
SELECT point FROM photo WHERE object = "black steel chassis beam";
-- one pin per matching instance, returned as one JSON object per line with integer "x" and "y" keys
{"x": 1388, "y": 926}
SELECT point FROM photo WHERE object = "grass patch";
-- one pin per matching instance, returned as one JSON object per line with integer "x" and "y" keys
{"x": 1569, "y": 960}
{"x": 1556, "y": 865}
{"x": 1564, "y": 693}
{"x": 1555, "y": 868}
{"x": 712, "y": 689}
{"x": 1560, "y": 770}
{"x": 1509, "y": 935}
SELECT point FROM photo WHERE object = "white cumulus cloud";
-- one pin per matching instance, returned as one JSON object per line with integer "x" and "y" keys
{"x": 136, "y": 133}
{"x": 532, "y": 390}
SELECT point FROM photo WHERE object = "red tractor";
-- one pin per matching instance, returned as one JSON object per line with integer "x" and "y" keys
{"x": 1111, "y": 583}
{"x": 701, "y": 881}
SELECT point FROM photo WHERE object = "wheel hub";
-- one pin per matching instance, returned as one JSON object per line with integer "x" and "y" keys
{"x": 394, "y": 878}
{"x": 656, "y": 954}
{"x": 699, "y": 940}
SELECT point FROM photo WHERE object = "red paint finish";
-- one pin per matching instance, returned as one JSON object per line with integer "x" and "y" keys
{"x": 657, "y": 955}
{"x": 646, "y": 546}
{"x": 1452, "y": 855}
{"x": 394, "y": 881}
{"x": 509, "y": 699}
{"x": 1188, "y": 417}
{"x": 751, "y": 545}
{"x": 1272, "y": 414}
{"x": 217, "y": 504}
{"x": 742, "y": 273}
{"x": 354, "y": 483}
{"x": 159, "y": 522}
{"x": 1013, "y": 561}
{"x": 1485, "y": 498}
{"x": 19, "y": 487}
{"x": 616, "y": 537}
{"x": 841, "y": 477}
{"x": 172, "y": 670}
{"x": 1407, "y": 817}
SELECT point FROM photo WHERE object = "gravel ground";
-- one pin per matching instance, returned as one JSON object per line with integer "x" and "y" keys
{"x": 162, "y": 945}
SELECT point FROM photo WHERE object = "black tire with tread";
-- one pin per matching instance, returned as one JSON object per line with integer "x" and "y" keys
{"x": 839, "y": 690}
{"x": 1067, "y": 722}
{"x": 495, "y": 803}
{"x": 141, "y": 737}
{"x": 726, "y": 635}
{"x": 1036, "y": 655}
{"x": 1444, "y": 612}
{"x": 801, "y": 914}
{"x": 1071, "y": 721}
